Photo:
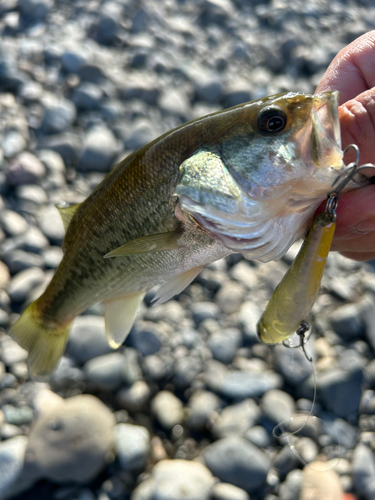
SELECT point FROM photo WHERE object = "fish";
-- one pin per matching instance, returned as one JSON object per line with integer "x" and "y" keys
{"x": 243, "y": 180}
{"x": 297, "y": 292}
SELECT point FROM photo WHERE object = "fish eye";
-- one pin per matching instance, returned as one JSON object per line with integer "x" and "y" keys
{"x": 272, "y": 120}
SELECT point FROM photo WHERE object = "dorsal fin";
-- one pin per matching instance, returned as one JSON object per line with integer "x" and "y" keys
{"x": 66, "y": 213}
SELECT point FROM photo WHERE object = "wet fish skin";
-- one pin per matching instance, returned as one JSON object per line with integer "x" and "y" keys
{"x": 142, "y": 197}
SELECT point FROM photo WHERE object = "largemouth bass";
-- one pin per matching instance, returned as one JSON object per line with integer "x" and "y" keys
{"x": 245, "y": 180}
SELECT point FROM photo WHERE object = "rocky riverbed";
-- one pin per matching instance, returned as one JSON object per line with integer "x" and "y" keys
{"x": 189, "y": 408}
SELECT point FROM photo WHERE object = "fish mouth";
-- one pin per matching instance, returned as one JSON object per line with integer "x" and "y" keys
{"x": 325, "y": 141}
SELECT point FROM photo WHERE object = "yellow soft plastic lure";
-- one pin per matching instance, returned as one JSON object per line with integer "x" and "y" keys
{"x": 295, "y": 296}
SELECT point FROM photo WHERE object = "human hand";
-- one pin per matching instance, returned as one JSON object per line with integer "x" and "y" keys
{"x": 352, "y": 72}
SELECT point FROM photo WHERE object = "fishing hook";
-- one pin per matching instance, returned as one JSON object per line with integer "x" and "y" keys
{"x": 301, "y": 332}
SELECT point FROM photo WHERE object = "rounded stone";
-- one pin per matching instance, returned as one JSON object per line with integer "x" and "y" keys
{"x": 72, "y": 441}
{"x": 168, "y": 409}
{"x": 12, "y": 452}
{"x": 25, "y": 169}
{"x": 24, "y": 282}
{"x": 13, "y": 223}
{"x": 87, "y": 338}
{"x": 202, "y": 405}
{"x": 99, "y": 150}
{"x": 277, "y": 405}
{"x": 236, "y": 461}
{"x": 181, "y": 480}
{"x": 106, "y": 371}
{"x": 51, "y": 224}
{"x": 134, "y": 398}
{"x": 237, "y": 419}
{"x": 133, "y": 446}
{"x": 226, "y": 491}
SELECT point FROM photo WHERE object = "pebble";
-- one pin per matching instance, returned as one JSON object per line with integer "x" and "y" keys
{"x": 167, "y": 409}
{"x": 364, "y": 471}
{"x": 177, "y": 480}
{"x": 134, "y": 398}
{"x": 141, "y": 133}
{"x": 186, "y": 370}
{"x": 292, "y": 365}
{"x": 277, "y": 405}
{"x": 146, "y": 339}
{"x": 236, "y": 461}
{"x": 24, "y": 282}
{"x": 13, "y": 223}
{"x": 22, "y": 415}
{"x": 347, "y": 321}
{"x": 224, "y": 344}
{"x": 19, "y": 260}
{"x": 226, "y": 491}
{"x": 202, "y": 406}
{"x": 132, "y": 446}
{"x": 99, "y": 150}
{"x": 237, "y": 419}
{"x": 52, "y": 161}
{"x": 4, "y": 275}
{"x": 12, "y": 452}
{"x": 51, "y": 225}
{"x": 35, "y": 10}
{"x": 230, "y": 297}
{"x": 317, "y": 482}
{"x": 87, "y": 96}
{"x": 71, "y": 442}
{"x": 34, "y": 241}
{"x": 13, "y": 144}
{"x": 258, "y": 436}
{"x": 26, "y": 168}
{"x": 106, "y": 371}
{"x": 59, "y": 114}
{"x": 240, "y": 385}
{"x": 87, "y": 338}
{"x": 204, "y": 310}
{"x": 290, "y": 489}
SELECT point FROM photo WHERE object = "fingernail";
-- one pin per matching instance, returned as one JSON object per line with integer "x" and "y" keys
{"x": 365, "y": 226}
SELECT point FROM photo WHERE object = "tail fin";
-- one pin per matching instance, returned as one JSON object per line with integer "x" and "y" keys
{"x": 45, "y": 343}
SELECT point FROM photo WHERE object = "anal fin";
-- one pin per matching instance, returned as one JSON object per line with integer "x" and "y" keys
{"x": 119, "y": 317}
{"x": 176, "y": 285}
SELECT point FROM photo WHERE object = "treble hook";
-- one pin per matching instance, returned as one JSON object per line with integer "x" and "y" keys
{"x": 301, "y": 332}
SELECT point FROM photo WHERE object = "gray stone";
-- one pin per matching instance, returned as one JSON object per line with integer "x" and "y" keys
{"x": 4, "y": 275}
{"x": 340, "y": 389}
{"x": 347, "y": 321}
{"x": 24, "y": 282}
{"x": 22, "y": 415}
{"x": 241, "y": 385}
{"x": 99, "y": 150}
{"x": 277, "y": 405}
{"x": 106, "y": 371}
{"x": 248, "y": 316}
{"x": 258, "y": 436}
{"x": 32, "y": 193}
{"x": 181, "y": 480}
{"x": 236, "y": 420}
{"x": 19, "y": 260}
{"x": 202, "y": 406}
{"x": 226, "y": 491}
{"x": 13, "y": 223}
{"x": 134, "y": 398}
{"x": 25, "y": 169}
{"x": 59, "y": 114}
{"x": 186, "y": 370}
{"x": 364, "y": 471}
{"x": 168, "y": 409}
{"x": 87, "y": 96}
{"x": 230, "y": 297}
{"x": 87, "y": 338}
{"x": 236, "y": 461}
{"x": 12, "y": 454}
{"x": 291, "y": 487}
{"x": 68, "y": 145}
{"x": 292, "y": 365}
{"x": 31, "y": 91}
{"x": 13, "y": 143}
{"x": 34, "y": 241}
{"x": 209, "y": 88}
{"x": 53, "y": 161}
{"x": 224, "y": 344}
{"x": 307, "y": 449}
{"x": 72, "y": 441}
{"x": 133, "y": 446}
{"x": 204, "y": 310}
{"x": 11, "y": 352}
{"x": 35, "y": 10}
{"x": 175, "y": 102}
{"x": 146, "y": 339}
{"x": 142, "y": 132}
{"x": 52, "y": 257}
{"x": 73, "y": 59}
{"x": 51, "y": 224}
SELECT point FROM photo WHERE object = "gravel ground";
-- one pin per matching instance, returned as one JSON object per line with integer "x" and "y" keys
{"x": 186, "y": 409}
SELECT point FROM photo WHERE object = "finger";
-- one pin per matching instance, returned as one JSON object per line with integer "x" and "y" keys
{"x": 354, "y": 208}
{"x": 352, "y": 71}
{"x": 359, "y": 256}
{"x": 361, "y": 244}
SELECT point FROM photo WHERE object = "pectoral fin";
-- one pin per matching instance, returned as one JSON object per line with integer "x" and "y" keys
{"x": 176, "y": 285}
{"x": 66, "y": 213}
{"x": 148, "y": 244}
{"x": 119, "y": 317}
